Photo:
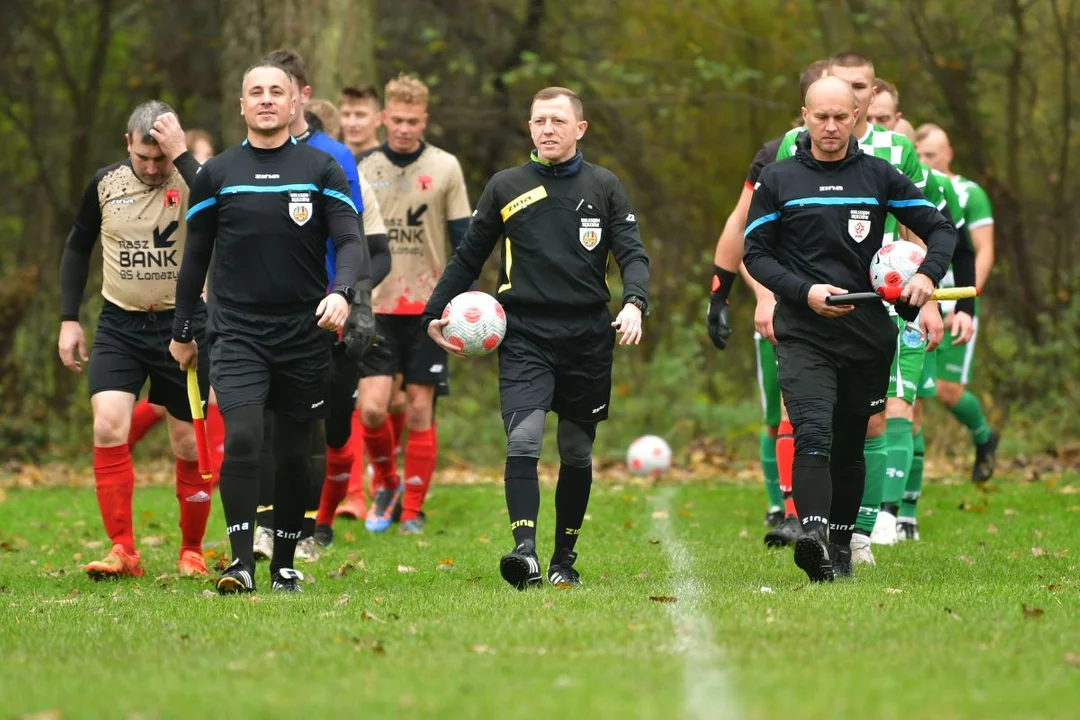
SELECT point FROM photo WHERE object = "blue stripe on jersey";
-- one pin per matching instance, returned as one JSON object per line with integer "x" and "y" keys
{"x": 831, "y": 201}
{"x": 233, "y": 189}
{"x": 919, "y": 202}
{"x": 343, "y": 198}
{"x": 200, "y": 206}
{"x": 761, "y": 221}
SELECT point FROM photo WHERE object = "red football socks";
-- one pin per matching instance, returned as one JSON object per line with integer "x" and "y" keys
{"x": 114, "y": 478}
{"x": 215, "y": 439}
{"x": 397, "y": 422}
{"x": 785, "y": 459}
{"x": 193, "y": 493}
{"x": 359, "y": 469}
{"x": 419, "y": 465}
{"x": 339, "y": 463}
{"x": 380, "y": 447}
{"x": 143, "y": 418}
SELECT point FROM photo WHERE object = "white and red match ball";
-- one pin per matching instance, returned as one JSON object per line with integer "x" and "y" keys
{"x": 477, "y": 323}
{"x": 894, "y": 264}
{"x": 649, "y": 455}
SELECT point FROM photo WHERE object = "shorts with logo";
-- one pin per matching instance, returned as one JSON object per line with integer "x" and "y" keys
{"x": 279, "y": 361}
{"x": 907, "y": 362}
{"x": 133, "y": 347}
{"x": 928, "y": 378}
{"x": 954, "y": 361}
{"x": 768, "y": 382}
{"x": 412, "y": 353}
{"x": 557, "y": 363}
{"x": 812, "y": 379}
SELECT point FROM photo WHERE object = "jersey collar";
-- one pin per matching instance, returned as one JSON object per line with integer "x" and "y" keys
{"x": 566, "y": 168}
{"x": 867, "y": 135}
{"x": 403, "y": 159}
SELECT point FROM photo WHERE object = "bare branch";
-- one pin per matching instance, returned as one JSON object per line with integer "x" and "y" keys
{"x": 47, "y": 33}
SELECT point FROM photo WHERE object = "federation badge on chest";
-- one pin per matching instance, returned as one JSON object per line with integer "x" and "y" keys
{"x": 858, "y": 225}
{"x": 300, "y": 207}
{"x": 589, "y": 233}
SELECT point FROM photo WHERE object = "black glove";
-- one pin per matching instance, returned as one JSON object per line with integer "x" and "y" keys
{"x": 375, "y": 358}
{"x": 906, "y": 311}
{"x": 719, "y": 321}
{"x": 359, "y": 330}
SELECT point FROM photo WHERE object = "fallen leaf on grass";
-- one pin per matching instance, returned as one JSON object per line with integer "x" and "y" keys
{"x": 221, "y": 565}
{"x": 744, "y": 533}
{"x": 628, "y": 525}
{"x": 343, "y": 570}
{"x": 893, "y": 591}
{"x": 1072, "y": 659}
{"x": 366, "y": 614}
{"x": 208, "y": 594}
{"x": 642, "y": 575}
{"x": 663, "y": 598}
{"x": 764, "y": 590}
{"x": 633, "y": 627}
{"x": 481, "y": 649}
{"x": 483, "y": 538}
{"x": 966, "y": 558}
{"x": 654, "y": 541}
{"x": 1037, "y": 551}
{"x": 588, "y": 517}
{"x": 992, "y": 529}
{"x": 422, "y": 544}
{"x": 406, "y": 569}
{"x": 1069, "y": 490}
{"x": 150, "y": 540}
{"x": 1032, "y": 612}
{"x": 548, "y": 605}
{"x": 445, "y": 564}
{"x": 1052, "y": 588}
{"x": 1009, "y": 512}
{"x": 8, "y": 547}
{"x": 659, "y": 515}
{"x": 968, "y": 507}
{"x": 953, "y": 615}
{"x": 43, "y": 715}
{"x": 769, "y": 616}
{"x": 412, "y": 629}
{"x": 343, "y": 600}
{"x": 478, "y": 578}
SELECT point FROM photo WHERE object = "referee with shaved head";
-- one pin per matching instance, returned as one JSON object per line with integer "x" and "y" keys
{"x": 263, "y": 211}
{"x": 816, "y": 220}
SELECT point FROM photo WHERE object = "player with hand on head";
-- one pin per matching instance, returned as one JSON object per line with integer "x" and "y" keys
{"x": 816, "y": 221}
{"x": 261, "y": 212}
{"x": 137, "y": 208}
{"x": 558, "y": 218}
{"x": 425, "y": 206}
{"x": 954, "y": 359}
{"x": 776, "y": 438}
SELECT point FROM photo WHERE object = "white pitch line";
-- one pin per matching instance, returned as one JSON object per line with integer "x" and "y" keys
{"x": 706, "y": 690}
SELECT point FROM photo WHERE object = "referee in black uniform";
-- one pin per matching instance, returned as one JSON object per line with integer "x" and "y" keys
{"x": 264, "y": 209}
{"x": 559, "y": 218}
{"x": 815, "y": 223}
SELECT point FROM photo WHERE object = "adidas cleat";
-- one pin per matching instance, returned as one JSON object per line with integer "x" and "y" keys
{"x": 117, "y": 564}
{"x": 561, "y": 572}
{"x": 324, "y": 535}
{"x": 774, "y": 518}
{"x": 884, "y": 532}
{"x": 812, "y": 556}
{"x": 192, "y": 563}
{"x": 841, "y": 562}
{"x": 236, "y": 579}
{"x": 520, "y": 567}
{"x": 907, "y": 529}
{"x": 264, "y": 543}
{"x": 860, "y": 550}
{"x": 286, "y": 580}
{"x": 382, "y": 508}
{"x": 784, "y": 534}
{"x": 985, "y": 454}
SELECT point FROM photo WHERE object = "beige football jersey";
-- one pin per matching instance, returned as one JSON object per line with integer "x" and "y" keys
{"x": 142, "y": 238}
{"x": 416, "y": 202}
{"x": 373, "y": 222}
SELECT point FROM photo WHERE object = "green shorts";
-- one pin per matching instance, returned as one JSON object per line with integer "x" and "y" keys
{"x": 954, "y": 361}
{"x": 907, "y": 364}
{"x": 928, "y": 381}
{"x": 768, "y": 381}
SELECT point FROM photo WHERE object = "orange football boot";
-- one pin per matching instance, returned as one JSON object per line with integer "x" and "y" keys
{"x": 192, "y": 563}
{"x": 118, "y": 563}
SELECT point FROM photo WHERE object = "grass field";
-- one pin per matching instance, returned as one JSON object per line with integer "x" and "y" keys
{"x": 685, "y": 614}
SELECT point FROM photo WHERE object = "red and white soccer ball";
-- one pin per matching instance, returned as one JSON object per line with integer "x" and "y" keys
{"x": 649, "y": 455}
{"x": 477, "y": 323}
{"x": 894, "y": 264}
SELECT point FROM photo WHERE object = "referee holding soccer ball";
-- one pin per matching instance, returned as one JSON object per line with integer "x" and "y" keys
{"x": 559, "y": 217}
{"x": 816, "y": 221}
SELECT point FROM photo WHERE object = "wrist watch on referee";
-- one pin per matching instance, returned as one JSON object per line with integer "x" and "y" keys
{"x": 639, "y": 302}
{"x": 346, "y": 291}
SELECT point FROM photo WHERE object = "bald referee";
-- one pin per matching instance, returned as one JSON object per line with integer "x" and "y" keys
{"x": 264, "y": 210}
{"x": 815, "y": 222}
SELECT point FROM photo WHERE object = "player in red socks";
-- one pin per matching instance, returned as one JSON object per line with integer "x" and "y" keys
{"x": 141, "y": 197}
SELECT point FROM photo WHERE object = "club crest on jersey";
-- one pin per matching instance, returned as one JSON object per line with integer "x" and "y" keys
{"x": 300, "y": 207}
{"x": 589, "y": 233}
{"x": 858, "y": 224}
{"x": 172, "y": 198}
{"x": 424, "y": 183}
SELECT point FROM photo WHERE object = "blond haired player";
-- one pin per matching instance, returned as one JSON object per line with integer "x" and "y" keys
{"x": 425, "y": 206}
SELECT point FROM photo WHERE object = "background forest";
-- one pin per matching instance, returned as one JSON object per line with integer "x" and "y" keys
{"x": 679, "y": 95}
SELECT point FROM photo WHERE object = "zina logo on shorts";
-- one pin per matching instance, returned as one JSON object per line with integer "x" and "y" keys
{"x": 300, "y": 207}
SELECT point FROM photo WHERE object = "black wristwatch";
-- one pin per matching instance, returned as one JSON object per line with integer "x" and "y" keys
{"x": 347, "y": 292}
{"x": 639, "y": 302}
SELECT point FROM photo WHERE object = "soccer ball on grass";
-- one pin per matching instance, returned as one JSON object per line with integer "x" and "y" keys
{"x": 649, "y": 455}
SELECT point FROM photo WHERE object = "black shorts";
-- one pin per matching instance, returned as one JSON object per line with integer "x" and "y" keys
{"x": 279, "y": 361}
{"x": 131, "y": 347}
{"x": 557, "y": 363}
{"x": 412, "y": 353}
{"x": 810, "y": 377}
